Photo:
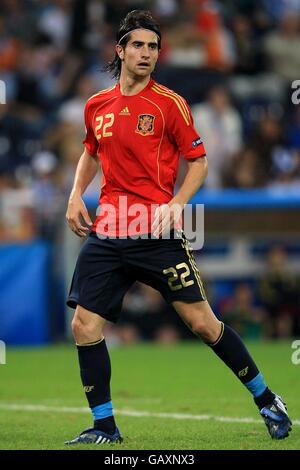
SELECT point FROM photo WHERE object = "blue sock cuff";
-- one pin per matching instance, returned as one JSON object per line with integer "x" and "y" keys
{"x": 102, "y": 411}
{"x": 257, "y": 385}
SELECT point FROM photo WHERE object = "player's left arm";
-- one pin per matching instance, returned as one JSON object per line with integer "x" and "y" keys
{"x": 182, "y": 131}
{"x": 195, "y": 177}
{"x": 169, "y": 214}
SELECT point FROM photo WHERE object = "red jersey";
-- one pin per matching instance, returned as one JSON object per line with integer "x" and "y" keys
{"x": 138, "y": 140}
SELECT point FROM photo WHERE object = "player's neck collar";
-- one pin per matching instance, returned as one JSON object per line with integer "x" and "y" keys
{"x": 149, "y": 85}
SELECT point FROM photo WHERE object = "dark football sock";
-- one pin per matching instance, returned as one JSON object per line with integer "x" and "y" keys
{"x": 107, "y": 425}
{"x": 264, "y": 399}
{"x": 231, "y": 349}
{"x": 95, "y": 372}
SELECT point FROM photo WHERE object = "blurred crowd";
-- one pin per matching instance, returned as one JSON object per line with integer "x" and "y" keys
{"x": 271, "y": 307}
{"x": 234, "y": 61}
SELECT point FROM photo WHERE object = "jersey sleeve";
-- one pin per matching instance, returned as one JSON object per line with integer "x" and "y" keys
{"x": 182, "y": 131}
{"x": 90, "y": 141}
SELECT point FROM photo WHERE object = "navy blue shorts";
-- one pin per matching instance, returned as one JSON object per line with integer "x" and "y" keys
{"x": 106, "y": 269}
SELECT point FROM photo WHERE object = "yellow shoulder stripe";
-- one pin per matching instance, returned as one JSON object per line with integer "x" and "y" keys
{"x": 175, "y": 98}
{"x": 102, "y": 92}
{"x": 178, "y": 100}
{"x": 167, "y": 90}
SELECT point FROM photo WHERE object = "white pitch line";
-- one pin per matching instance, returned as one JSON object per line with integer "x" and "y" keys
{"x": 133, "y": 413}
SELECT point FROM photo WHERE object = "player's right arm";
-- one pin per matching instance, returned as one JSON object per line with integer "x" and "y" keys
{"x": 86, "y": 171}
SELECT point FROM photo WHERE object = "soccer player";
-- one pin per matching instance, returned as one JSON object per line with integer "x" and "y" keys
{"x": 137, "y": 129}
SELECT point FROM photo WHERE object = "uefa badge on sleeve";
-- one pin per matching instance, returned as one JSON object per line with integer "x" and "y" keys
{"x": 197, "y": 142}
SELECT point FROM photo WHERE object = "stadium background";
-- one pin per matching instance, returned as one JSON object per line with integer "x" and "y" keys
{"x": 235, "y": 62}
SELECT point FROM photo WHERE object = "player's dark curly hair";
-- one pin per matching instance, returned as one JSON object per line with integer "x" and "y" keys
{"x": 133, "y": 20}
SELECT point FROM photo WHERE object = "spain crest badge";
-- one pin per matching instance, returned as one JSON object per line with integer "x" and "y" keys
{"x": 145, "y": 125}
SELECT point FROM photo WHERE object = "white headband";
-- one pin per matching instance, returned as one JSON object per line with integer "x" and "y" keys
{"x": 135, "y": 29}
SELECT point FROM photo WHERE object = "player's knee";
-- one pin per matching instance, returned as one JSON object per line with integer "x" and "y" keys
{"x": 81, "y": 331}
{"x": 204, "y": 330}
{"x": 199, "y": 327}
{"x": 77, "y": 328}
{"x": 85, "y": 332}
{"x": 208, "y": 331}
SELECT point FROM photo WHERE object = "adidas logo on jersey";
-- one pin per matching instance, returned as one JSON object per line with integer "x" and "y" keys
{"x": 124, "y": 112}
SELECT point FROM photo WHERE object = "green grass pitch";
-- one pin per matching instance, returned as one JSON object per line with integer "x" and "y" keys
{"x": 148, "y": 380}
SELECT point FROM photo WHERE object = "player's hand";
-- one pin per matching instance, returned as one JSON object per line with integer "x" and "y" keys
{"x": 166, "y": 217}
{"x": 76, "y": 212}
